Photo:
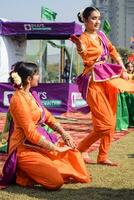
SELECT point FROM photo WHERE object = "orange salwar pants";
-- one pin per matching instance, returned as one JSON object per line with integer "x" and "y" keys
{"x": 50, "y": 169}
{"x": 102, "y": 101}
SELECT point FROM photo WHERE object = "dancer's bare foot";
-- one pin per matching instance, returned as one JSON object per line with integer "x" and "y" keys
{"x": 108, "y": 163}
{"x": 86, "y": 158}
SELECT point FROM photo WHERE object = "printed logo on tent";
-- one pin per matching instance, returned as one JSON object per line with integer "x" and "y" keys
{"x": 77, "y": 100}
{"x": 49, "y": 103}
{"x": 36, "y": 27}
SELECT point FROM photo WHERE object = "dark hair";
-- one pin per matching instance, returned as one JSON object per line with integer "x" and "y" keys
{"x": 24, "y": 69}
{"x": 86, "y": 13}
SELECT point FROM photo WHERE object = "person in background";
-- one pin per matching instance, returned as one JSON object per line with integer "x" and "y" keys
{"x": 66, "y": 72}
{"x": 130, "y": 70}
{"x": 124, "y": 116}
{"x": 40, "y": 159}
{"x": 99, "y": 82}
{"x": 130, "y": 97}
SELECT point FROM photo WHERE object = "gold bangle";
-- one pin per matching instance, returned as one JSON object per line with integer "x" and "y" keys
{"x": 50, "y": 146}
{"x": 65, "y": 136}
{"x": 57, "y": 127}
{"x": 46, "y": 144}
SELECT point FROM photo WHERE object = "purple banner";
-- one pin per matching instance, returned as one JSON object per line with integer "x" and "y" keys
{"x": 58, "y": 98}
{"x": 40, "y": 30}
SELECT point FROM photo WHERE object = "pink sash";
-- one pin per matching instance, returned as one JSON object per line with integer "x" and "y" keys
{"x": 103, "y": 70}
{"x": 106, "y": 71}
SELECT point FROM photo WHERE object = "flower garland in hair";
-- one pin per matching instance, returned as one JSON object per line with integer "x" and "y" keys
{"x": 81, "y": 15}
{"x": 17, "y": 79}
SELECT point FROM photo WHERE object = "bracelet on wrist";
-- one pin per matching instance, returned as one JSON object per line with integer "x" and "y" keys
{"x": 65, "y": 136}
{"x": 57, "y": 127}
{"x": 50, "y": 146}
{"x": 46, "y": 144}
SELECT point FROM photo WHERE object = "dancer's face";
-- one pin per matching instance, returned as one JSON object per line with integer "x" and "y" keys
{"x": 34, "y": 80}
{"x": 93, "y": 22}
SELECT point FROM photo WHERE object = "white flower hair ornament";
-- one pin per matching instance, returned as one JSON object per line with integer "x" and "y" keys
{"x": 81, "y": 15}
{"x": 17, "y": 79}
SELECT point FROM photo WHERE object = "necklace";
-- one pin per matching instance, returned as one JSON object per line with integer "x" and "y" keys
{"x": 94, "y": 37}
{"x": 34, "y": 101}
{"x": 92, "y": 34}
{"x": 30, "y": 99}
{"x": 29, "y": 96}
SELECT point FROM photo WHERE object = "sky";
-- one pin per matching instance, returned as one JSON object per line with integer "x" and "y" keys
{"x": 29, "y": 10}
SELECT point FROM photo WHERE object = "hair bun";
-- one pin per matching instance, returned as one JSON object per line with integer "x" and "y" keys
{"x": 80, "y": 16}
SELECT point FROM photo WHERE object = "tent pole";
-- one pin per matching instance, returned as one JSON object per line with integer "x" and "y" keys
{"x": 44, "y": 62}
{"x": 40, "y": 61}
{"x": 62, "y": 60}
{"x": 71, "y": 64}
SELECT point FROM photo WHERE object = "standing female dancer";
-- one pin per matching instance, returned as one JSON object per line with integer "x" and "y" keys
{"x": 99, "y": 81}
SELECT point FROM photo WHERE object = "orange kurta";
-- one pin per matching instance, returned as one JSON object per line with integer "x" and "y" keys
{"x": 101, "y": 96}
{"x": 91, "y": 53}
{"x": 93, "y": 50}
{"x": 50, "y": 169}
